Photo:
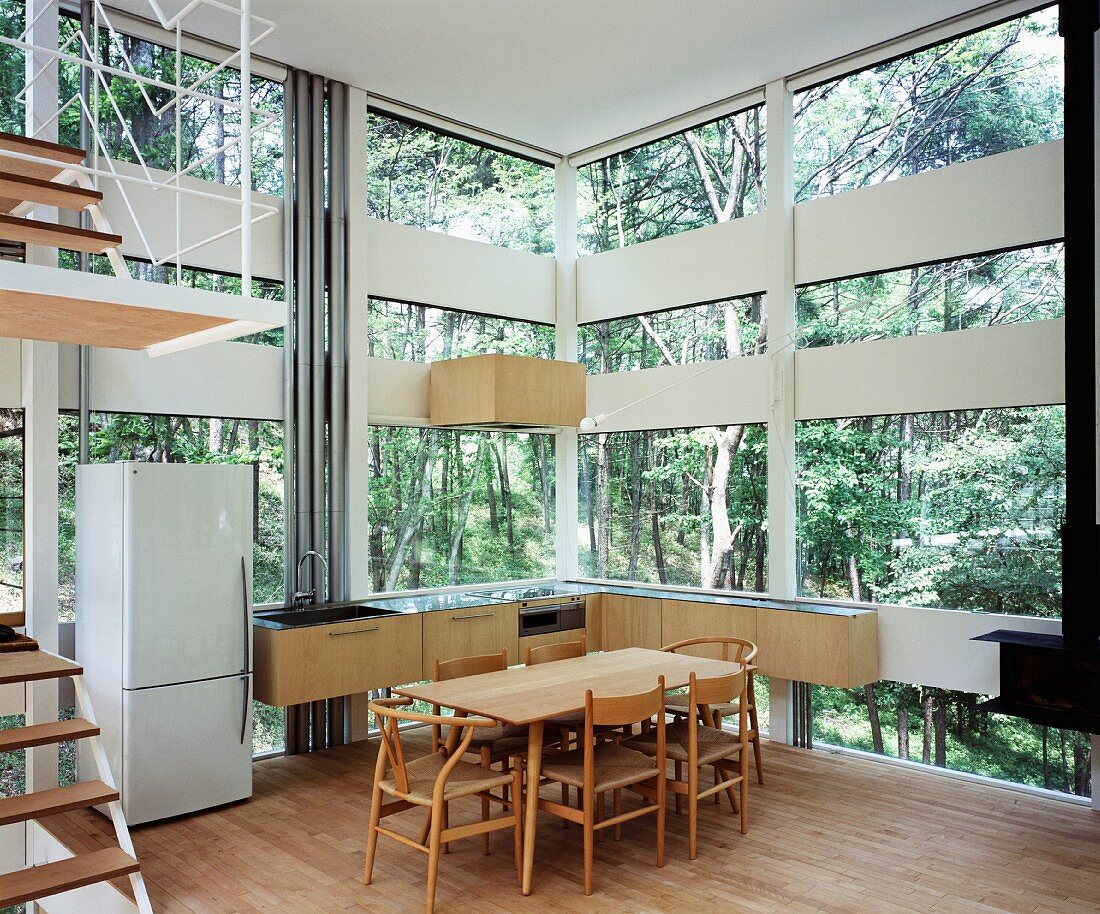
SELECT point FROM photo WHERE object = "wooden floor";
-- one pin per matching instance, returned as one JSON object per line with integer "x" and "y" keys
{"x": 826, "y": 834}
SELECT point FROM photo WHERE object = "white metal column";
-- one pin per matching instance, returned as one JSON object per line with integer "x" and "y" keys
{"x": 782, "y": 326}
{"x": 565, "y": 442}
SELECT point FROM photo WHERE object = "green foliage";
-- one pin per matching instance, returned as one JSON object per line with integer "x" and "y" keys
{"x": 430, "y": 180}
{"x": 984, "y": 93}
{"x": 12, "y": 67}
{"x": 711, "y": 173}
{"x": 11, "y": 510}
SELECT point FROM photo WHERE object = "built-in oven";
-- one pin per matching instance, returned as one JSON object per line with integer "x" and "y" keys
{"x": 541, "y": 618}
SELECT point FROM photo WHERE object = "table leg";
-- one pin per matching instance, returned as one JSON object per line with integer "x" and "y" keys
{"x": 534, "y": 768}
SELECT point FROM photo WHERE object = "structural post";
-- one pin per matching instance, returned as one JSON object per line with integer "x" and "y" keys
{"x": 565, "y": 442}
{"x": 782, "y": 326}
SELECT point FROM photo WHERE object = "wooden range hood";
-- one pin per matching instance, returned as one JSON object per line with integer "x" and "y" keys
{"x": 507, "y": 392}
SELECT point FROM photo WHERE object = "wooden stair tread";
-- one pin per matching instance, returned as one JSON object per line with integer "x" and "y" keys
{"x": 16, "y": 189}
{"x": 44, "y": 734}
{"x": 64, "y": 875}
{"x": 52, "y": 802}
{"x": 16, "y": 228}
{"x": 28, "y": 666}
{"x": 63, "y": 156}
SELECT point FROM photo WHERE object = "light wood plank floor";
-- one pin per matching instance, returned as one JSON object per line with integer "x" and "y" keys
{"x": 826, "y": 834}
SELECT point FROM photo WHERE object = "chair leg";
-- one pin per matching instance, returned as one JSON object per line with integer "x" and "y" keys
{"x": 717, "y": 726}
{"x": 693, "y": 808}
{"x": 756, "y": 749}
{"x": 372, "y": 834}
{"x": 564, "y": 802}
{"x": 427, "y": 828}
{"x": 600, "y": 800}
{"x": 662, "y": 802}
{"x": 744, "y": 770}
{"x": 588, "y": 803}
{"x": 731, "y": 794}
{"x": 678, "y": 768}
{"x": 438, "y": 824}
{"x": 517, "y": 811}
{"x": 617, "y": 808}
{"x": 447, "y": 824}
{"x": 486, "y": 762}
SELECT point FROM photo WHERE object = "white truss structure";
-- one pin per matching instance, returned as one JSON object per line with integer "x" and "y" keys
{"x": 82, "y": 50}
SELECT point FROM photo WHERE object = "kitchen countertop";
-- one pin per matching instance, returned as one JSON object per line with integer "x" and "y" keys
{"x": 477, "y": 597}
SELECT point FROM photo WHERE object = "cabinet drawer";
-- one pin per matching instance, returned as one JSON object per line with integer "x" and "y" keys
{"x": 453, "y": 633}
{"x": 323, "y": 661}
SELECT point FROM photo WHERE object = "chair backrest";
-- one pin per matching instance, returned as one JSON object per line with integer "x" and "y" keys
{"x": 715, "y": 690}
{"x": 551, "y": 652}
{"x": 389, "y": 712}
{"x": 737, "y": 650}
{"x": 617, "y": 710}
{"x": 469, "y": 666}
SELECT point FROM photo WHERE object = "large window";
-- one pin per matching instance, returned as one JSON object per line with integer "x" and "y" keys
{"x": 983, "y": 93}
{"x": 428, "y": 179}
{"x": 459, "y": 507}
{"x": 11, "y": 510}
{"x": 700, "y": 333}
{"x": 710, "y": 173}
{"x": 420, "y": 333}
{"x": 681, "y": 506}
{"x": 957, "y": 510}
{"x": 946, "y": 729}
{"x": 12, "y": 69}
{"x": 1005, "y": 288}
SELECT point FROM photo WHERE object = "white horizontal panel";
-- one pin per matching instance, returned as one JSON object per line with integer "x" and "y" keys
{"x": 200, "y": 218}
{"x": 1013, "y": 365}
{"x": 226, "y": 380}
{"x": 397, "y": 392}
{"x": 706, "y": 264}
{"x": 932, "y": 647}
{"x": 11, "y": 373}
{"x": 430, "y": 268}
{"x": 732, "y": 391}
{"x": 999, "y": 201}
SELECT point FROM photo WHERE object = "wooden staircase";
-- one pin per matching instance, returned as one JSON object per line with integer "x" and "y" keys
{"x": 43, "y": 880}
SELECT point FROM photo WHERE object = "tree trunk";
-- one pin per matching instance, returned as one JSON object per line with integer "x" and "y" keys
{"x": 722, "y": 536}
{"x": 454, "y": 563}
{"x": 903, "y": 729}
{"x": 940, "y": 721}
{"x": 872, "y": 716}
{"x": 603, "y": 506}
{"x": 635, "y": 505}
{"x": 926, "y": 748}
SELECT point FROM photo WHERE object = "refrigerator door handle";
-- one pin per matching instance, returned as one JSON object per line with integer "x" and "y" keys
{"x": 247, "y": 620}
{"x": 244, "y": 709}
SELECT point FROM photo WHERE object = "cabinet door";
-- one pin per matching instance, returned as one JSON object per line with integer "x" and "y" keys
{"x": 453, "y": 633}
{"x": 684, "y": 619}
{"x": 631, "y": 622}
{"x": 828, "y": 649}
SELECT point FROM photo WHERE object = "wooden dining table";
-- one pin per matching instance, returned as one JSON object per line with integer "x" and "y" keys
{"x": 532, "y": 694}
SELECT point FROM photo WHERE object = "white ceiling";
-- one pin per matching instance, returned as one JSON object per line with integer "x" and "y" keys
{"x": 567, "y": 74}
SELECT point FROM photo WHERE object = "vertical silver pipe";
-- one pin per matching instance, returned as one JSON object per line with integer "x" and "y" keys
{"x": 290, "y": 517}
{"x": 317, "y": 323}
{"x": 84, "y": 404}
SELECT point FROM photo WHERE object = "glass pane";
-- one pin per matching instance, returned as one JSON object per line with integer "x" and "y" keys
{"x": 459, "y": 507}
{"x": 681, "y": 506}
{"x": 701, "y": 333}
{"x": 960, "y": 510}
{"x": 711, "y": 173}
{"x": 11, "y": 510}
{"x": 984, "y": 93}
{"x": 12, "y": 67}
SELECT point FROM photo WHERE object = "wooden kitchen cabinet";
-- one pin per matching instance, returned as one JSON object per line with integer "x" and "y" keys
{"x": 630, "y": 622}
{"x": 453, "y": 633}
{"x": 823, "y": 648}
{"x": 683, "y": 619}
{"x": 296, "y": 665}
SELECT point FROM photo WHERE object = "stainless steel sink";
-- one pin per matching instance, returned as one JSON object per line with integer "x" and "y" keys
{"x": 324, "y": 614}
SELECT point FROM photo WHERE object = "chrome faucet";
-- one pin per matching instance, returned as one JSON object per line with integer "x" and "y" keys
{"x": 301, "y": 596}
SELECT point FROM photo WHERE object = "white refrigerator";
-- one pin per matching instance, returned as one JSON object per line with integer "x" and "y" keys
{"x": 164, "y": 630}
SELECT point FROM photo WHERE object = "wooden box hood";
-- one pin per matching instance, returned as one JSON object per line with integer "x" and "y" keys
{"x": 507, "y": 391}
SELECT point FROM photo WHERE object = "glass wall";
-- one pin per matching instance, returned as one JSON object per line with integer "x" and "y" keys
{"x": 12, "y": 67}
{"x": 710, "y": 173}
{"x": 421, "y": 177}
{"x": 421, "y": 333}
{"x": 976, "y": 95}
{"x": 678, "y": 506}
{"x": 700, "y": 333}
{"x": 459, "y": 507}
{"x": 960, "y": 510}
{"x": 1004, "y": 288}
{"x": 946, "y": 729}
{"x": 11, "y": 511}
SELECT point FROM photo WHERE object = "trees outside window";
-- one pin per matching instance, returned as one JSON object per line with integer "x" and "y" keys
{"x": 12, "y": 69}
{"x": 421, "y": 177}
{"x": 11, "y": 510}
{"x": 459, "y": 507}
{"x": 976, "y": 95}
{"x": 420, "y": 333}
{"x": 945, "y": 728}
{"x": 708, "y": 174}
{"x": 960, "y": 510}
{"x": 680, "y": 506}
{"x": 1003, "y": 288}
{"x": 700, "y": 333}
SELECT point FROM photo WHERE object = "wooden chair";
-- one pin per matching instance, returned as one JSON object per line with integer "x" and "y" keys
{"x": 567, "y": 724}
{"x": 737, "y": 650}
{"x": 599, "y": 768}
{"x": 433, "y": 782}
{"x": 694, "y": 742}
